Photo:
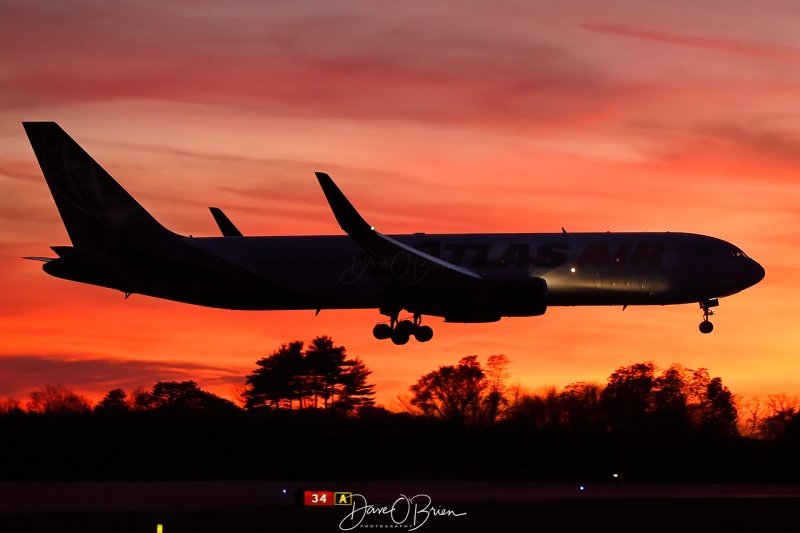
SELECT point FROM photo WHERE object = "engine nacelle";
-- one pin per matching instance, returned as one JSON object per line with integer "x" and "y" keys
{"x": 519, "y": 297}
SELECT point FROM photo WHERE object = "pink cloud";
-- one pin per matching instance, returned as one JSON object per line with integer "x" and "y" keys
{"x": 731, "y": 46}
{"x": 321, "y": 65}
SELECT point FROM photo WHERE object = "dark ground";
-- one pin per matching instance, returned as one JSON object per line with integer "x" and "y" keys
{"x": 491, "y": 507}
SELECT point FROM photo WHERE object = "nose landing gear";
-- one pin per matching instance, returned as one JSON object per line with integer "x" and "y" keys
{"x": 401, "y": 331}
{"x": 706, "y": 326}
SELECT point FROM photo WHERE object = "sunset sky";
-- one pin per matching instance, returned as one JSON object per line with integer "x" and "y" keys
{"x": 508, "y": 116}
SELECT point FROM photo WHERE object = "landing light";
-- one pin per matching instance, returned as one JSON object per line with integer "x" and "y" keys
{"x": 572, "y": 270}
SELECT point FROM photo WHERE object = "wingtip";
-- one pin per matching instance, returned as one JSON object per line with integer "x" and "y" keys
{"x": 327, "y": 184}
{"x": 346, "y": 215}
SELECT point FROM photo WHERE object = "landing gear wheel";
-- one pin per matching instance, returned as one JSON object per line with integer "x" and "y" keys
{"x": 706, "y": 327}
{"x": 382, "y": 331}
{"x": 706, "y": 305}
{"x": 400, "y": 337}
{"x": 406, "y": 327}
{"x": 423, "y": 333}
{"x": 400, "y": 331}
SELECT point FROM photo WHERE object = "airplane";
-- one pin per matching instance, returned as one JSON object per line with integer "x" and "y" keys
{"x": 467, "y": 278}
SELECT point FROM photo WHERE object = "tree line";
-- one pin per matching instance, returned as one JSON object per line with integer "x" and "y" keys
{"x": 635, "y": 397}
{"x": 307, "y": 411}
{"x": 322, "y": 377}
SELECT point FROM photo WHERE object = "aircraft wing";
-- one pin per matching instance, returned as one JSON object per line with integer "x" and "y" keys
{"x": 385, "y": 250}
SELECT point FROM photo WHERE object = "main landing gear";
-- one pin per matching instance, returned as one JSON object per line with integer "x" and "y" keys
{"x": 706, "y": 326}
{"x": 400, "y": 331}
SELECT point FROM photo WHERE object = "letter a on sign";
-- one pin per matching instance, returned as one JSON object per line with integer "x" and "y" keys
{"x": 343, "y": 498}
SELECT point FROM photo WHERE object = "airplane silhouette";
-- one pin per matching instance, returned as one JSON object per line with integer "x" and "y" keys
{"x": 468, "y": 278}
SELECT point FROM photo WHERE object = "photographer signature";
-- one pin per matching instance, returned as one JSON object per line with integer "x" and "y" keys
{"x": 408, "y": 513}
{"x": 402, "y": 267}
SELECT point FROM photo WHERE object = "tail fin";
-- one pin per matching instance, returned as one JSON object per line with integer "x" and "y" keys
{"x": 98, "y": 213}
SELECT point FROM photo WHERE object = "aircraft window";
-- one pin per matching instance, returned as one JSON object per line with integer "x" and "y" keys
{"x": 738, "y": 253}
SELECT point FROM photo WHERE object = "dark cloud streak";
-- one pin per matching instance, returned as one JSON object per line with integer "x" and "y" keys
{"x": 771, "y": 152}
{"x": 21, "y": 374}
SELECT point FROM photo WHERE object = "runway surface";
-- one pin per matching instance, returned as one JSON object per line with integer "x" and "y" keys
{"x": 419, "y": 506}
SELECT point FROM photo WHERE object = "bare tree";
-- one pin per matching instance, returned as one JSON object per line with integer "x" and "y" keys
{"x": 496, "y": 376}
{"x": 10, "y": 405}
{"x": 57, "y": 399}
{"x": 752, "y": 417}
{"x": 405, "y": 402}
{"x": 516, "y": 394}
{"x": 780, "y": 409}
{"x": 543, "y": 409}
{"x": 237, "y": 392}
{"x": 581, "y": 405}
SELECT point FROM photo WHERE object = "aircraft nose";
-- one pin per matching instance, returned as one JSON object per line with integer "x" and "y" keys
{"x": 755, "y": 273}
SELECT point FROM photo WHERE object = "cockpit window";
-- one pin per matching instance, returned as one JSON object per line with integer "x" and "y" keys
{"x": 738, "y": 253}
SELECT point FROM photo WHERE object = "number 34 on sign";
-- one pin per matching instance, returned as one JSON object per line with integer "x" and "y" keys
{"x": 323, "y": 498}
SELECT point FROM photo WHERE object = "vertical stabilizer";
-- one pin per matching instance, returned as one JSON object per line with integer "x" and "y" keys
{"x": 98, "y": 213}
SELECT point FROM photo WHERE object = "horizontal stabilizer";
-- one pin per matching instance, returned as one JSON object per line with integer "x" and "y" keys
{"x": 42, "y": 259}
{"x": 225, "y": 225}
